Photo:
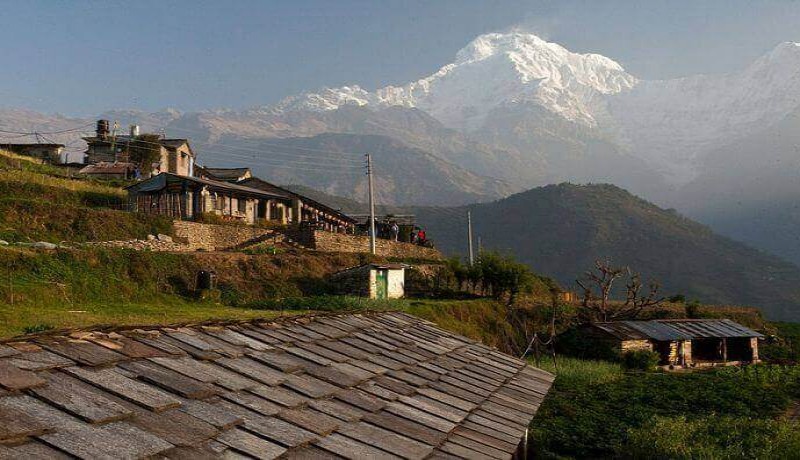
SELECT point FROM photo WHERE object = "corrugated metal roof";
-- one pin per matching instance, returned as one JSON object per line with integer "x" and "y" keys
{"x": 676, "y": 329}
{"x": 641, "y": 330}
{"x": 708, "y": 328}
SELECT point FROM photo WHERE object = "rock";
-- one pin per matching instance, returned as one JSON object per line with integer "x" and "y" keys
{"x": 165, "y": 238}
{"x": 3, "y": 243}
{"x": 151, "y": 237}
{"x": 44, "y": 245}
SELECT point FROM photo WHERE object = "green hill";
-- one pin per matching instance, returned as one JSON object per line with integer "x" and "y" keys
{"x": 560, "y": 230}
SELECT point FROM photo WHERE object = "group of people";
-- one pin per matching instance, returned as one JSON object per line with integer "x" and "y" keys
{"x": 391, "y": 230}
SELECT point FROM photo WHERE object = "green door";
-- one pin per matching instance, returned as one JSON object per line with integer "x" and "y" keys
{"x": 381, "y": 284}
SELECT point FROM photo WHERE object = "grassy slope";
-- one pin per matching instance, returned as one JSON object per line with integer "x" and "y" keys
{"x": 122, "y": 286}
{"x": 39, "y": 202}
{"x": 596, "y": 410}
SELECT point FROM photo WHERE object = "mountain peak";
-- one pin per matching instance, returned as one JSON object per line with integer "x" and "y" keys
{"x": 491, "y": 44}
{"x": 494, "y": 70}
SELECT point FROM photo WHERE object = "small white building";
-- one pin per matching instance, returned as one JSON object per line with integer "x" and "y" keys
{"x": 376, "y": 281}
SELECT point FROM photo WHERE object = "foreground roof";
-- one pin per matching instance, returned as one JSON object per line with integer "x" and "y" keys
{"x": 676, "y": 329}
{"x": 382, "y": 385}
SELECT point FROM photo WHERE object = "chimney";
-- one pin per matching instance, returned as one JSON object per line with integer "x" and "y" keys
{"x": 102, "y": 129}
{"x": 134, "y": 130}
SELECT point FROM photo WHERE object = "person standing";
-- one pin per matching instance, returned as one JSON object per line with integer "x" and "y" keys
{"x": 395, "y": 231}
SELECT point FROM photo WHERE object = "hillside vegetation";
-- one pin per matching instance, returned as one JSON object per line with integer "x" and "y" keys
{"x": 596, "y": 410}
{"x": 562, "y": 229}
{"x": 39, "y": 202}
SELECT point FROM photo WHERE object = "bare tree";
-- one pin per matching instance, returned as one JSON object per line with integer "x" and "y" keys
{"x": 598, "y": 285}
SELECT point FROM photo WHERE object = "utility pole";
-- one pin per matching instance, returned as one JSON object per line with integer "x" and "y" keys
{"x": 469, "y": 237}
{"x": 371, "y": 206}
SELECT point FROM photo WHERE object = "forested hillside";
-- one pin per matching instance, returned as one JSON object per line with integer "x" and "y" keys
{"x": 561, "y": 230}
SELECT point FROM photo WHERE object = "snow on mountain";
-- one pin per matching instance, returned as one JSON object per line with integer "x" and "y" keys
{"x": 492, "y": 71}
{"x": 668, "y": 123}
{"x": 671, "y": 123}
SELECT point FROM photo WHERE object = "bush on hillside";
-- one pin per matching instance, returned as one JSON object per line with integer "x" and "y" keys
{"x": 712, "y": 437}
{"x": 592, "y": 419}
{"x": 640, "y": 360}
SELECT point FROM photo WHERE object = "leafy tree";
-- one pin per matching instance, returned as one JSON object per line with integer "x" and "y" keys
{"x": 145, "y": 150}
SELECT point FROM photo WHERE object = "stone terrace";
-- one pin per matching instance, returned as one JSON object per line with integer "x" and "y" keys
{"x": 380, "y": 385}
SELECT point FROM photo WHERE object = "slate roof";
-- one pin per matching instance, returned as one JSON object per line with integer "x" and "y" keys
{"x": 377, "y": 385}
{"x": 162, "y": 180}
{"x": 227, "y": 173}
{"x": 676, "y": 329}
{"x": 106, "y": 167}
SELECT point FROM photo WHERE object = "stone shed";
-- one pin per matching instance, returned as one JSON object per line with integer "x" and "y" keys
{"x": 372, "y": 385}
{"x": 376, "y": 281}
{"x": 682, "y": 342}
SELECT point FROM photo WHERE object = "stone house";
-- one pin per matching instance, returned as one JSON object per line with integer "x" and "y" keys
{"x": 291, "y": 207}
{"x": 49, "y": 153}
{"x": 176, "y": 155}
{"x": 682, "y": 342}
{"x": 185, "y": 197}
{"x": 375, "y": 281}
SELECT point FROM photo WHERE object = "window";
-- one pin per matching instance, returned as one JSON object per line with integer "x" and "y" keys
{"x": 242, "y": 205}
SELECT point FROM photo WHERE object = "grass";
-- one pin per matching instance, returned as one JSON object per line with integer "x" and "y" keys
{"x": 22, "y": 319}
{"x": 574, "y": 372}
{"x": 40, "y": 202}
{"x": 595, "y": 410}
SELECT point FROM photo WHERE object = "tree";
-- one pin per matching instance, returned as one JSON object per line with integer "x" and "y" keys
{"x": 145, "y": 150}
{"x": 598, "y": 286}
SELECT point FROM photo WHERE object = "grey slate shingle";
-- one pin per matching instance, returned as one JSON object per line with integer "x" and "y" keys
{"x": 372, "y": 385}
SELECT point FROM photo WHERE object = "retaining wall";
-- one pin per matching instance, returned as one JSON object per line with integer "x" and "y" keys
{"x": 211, "y": 237}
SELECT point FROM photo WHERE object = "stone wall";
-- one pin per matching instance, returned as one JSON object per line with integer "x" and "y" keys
{"x": 211, "y": 237}
{"x": 338, "y": 242}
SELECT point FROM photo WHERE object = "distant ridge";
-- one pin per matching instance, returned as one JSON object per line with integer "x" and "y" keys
{"x": 560, "y": 230}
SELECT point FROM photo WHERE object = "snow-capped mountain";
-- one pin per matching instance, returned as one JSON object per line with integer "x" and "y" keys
{"x": 669, "y": 124}
{"x": 513, "y": 111}
{"x": 673, "y": 123}
{"x": 492, "y": 71}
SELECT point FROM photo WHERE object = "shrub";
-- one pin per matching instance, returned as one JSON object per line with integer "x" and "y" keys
{"x": 712, "y": 437}
{"x": 640, "y": 360}
{"x": 36, "y": 328}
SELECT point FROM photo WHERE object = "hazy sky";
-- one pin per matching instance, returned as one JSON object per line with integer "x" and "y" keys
{"x": 82, "y": 58}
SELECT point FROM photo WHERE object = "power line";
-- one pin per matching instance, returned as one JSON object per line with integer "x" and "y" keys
{"x": 79, "y": 128}
{"x": 268, "y": 144}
